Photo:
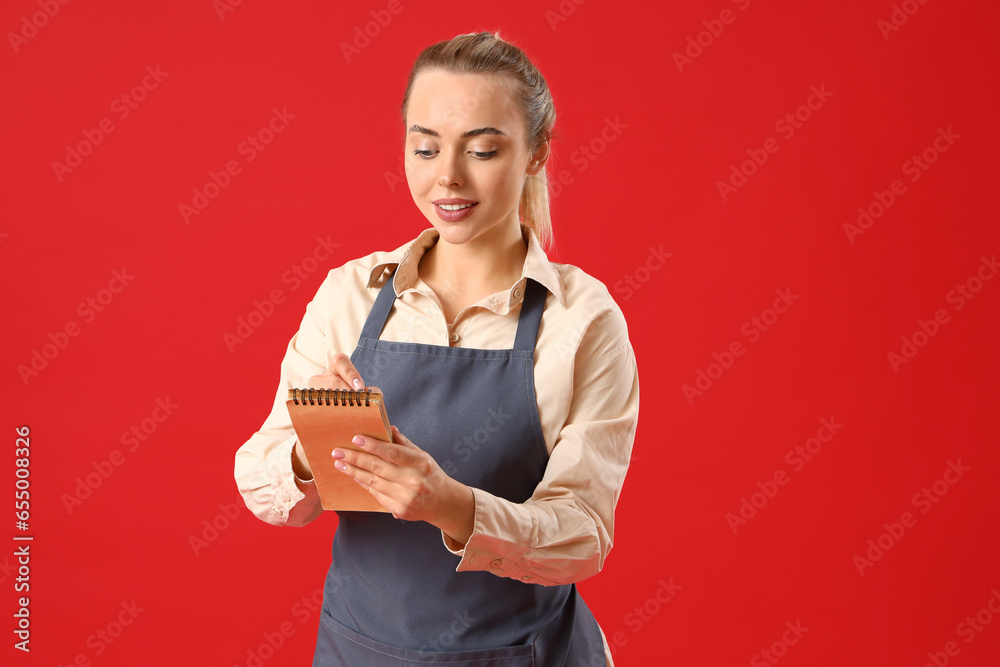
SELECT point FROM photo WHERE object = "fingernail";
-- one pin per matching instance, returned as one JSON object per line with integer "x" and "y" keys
{"x": 359, "y": 441}
{"x": 338, "y": 454}
{"x": 340, "y": 465}
{"x": 358, "y": 384}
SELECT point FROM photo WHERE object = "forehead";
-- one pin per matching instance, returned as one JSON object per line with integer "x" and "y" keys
{"x": 446, "y": 101}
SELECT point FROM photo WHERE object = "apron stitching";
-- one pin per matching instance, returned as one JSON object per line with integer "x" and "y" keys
{"x": 374, "y": 650}
{"x": 448, "y": 351}
{"x": 540, "y": 447}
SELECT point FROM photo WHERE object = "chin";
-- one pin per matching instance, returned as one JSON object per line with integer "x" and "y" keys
{"x": 454, "y": 233}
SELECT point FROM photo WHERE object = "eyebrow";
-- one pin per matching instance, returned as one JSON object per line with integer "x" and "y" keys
{"x": 471, "y": 133}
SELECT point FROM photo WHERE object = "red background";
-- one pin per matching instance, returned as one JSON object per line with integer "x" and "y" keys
{"x": 330, "y": 172}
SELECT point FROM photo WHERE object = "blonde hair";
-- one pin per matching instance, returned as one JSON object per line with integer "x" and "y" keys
{"x": 487, "y": 53}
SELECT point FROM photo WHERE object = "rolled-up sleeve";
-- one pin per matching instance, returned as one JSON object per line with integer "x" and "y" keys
{"x": 269, "y": 487}
{"x": 564, "y": 532}
{"x": 263, "y": 469}
{"x": 332, "y": 323}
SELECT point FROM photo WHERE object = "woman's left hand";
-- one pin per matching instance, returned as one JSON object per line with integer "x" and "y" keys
{"x": 408, "y": 482}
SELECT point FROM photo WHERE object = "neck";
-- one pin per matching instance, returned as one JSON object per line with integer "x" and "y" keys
{"x": 470, "y": 271}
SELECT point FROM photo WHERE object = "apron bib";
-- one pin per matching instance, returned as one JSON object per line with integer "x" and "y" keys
{"x": 392, "y": 596}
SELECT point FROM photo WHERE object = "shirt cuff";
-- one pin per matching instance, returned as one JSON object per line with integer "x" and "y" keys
{"x": 502, "y": 533}
{"x": 305, "y": 503}
{"x": 284, "y": 499}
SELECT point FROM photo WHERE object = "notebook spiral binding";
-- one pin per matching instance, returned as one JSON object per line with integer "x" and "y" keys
{"x": 330, "y": 396}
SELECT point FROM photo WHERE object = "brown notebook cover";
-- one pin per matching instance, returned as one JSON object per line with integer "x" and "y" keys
{"x": 327, "y": 418}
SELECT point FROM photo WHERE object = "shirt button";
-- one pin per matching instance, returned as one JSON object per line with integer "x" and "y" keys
{"x": 517, "y": 292}
{"x": 495, "y": 563}
{"x": 453, "y": 337}
{"x": 526, "y": 578}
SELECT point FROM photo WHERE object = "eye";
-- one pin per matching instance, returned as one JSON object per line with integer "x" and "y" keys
{"x": 427, "y": 154}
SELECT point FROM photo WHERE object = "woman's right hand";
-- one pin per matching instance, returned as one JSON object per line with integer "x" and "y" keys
{"x": 341, "y": 375}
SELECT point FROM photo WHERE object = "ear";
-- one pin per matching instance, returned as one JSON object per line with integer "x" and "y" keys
{"x": 538, "y": 158}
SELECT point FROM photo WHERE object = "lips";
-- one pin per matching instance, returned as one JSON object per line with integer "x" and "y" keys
{"x": 452, "y": 203}
{"x": 453, "y": 210}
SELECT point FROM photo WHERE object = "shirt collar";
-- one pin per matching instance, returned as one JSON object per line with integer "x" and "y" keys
{"x": 406, "y": 259}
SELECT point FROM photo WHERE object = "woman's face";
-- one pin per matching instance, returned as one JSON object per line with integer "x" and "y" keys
{"x": 467, "y": 155}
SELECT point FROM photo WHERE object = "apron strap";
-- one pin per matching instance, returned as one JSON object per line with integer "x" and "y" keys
{"x": 527, "y": 323}
{"x": 380, "y": 310}
{"x": 531, "y": 315}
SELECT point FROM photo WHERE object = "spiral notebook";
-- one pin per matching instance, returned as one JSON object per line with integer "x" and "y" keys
{"x": 327, "y": 418}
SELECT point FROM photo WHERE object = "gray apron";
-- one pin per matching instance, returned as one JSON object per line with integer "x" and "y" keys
{"x": 392, "y": 596}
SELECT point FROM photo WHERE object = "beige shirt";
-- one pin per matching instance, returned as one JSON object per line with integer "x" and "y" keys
{"x": 587, "y": 391}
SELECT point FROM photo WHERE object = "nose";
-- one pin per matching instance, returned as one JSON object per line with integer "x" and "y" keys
{"x": 449, "y": 169}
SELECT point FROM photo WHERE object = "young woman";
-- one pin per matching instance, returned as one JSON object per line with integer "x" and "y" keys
{"x": 511, "y": 381}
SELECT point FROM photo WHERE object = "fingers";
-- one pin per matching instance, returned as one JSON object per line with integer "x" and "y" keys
{"x": 384, "y": 459}
{"x": 394, "y": 486}
{"x": 352, "y": 463}
{"x": 367, "y": 470}
{"x": 403, "y": 478}
{"x": 341, "y": 365}
{"x": 401, "y": 439}
{"x": 384, "y": 492}
{"x": 378, "y": 459}
{"x": 341, "y": 375}
{"x": 327, "y": 380}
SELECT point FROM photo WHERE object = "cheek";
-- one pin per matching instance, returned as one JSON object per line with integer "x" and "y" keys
{"x": 508, "y": 184}
{"x": 498, "y": 179}
{"x": 418, "y": 177}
